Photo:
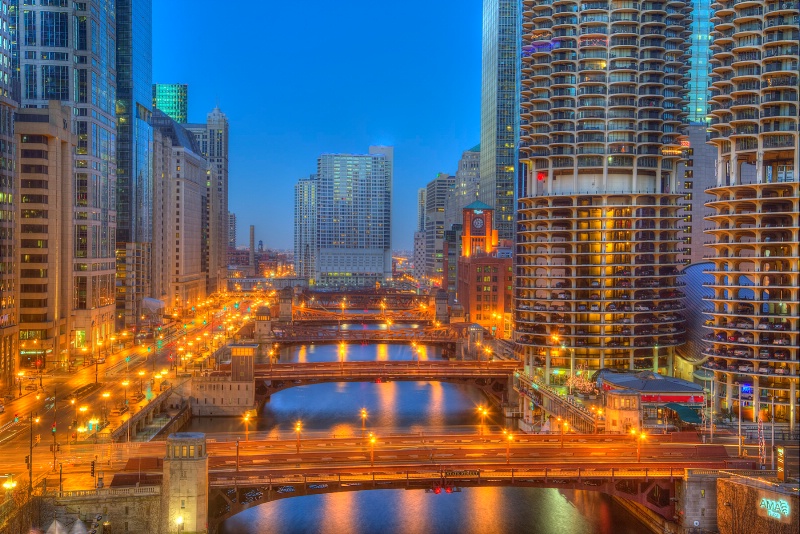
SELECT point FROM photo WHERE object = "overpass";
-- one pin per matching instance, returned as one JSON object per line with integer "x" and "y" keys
{"x": 301, "y": 314}
{"x": 363, "y": 300}
{"x": 491, "y": 377}
{"x": 297, "y": 335}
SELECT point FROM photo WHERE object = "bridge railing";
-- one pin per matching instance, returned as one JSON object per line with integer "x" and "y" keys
{"x": 126, "y": 491}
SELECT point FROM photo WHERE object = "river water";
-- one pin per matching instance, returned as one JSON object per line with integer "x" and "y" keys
{"x": 402, "y": 407}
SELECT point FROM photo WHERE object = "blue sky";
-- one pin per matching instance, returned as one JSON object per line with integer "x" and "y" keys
{"x": 297, "y": 79}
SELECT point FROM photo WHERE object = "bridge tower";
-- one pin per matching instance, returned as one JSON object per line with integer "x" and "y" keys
{"x": 184, "y": 489}
{"x": 285, "y": 300}
{"x": 441, "y": 299}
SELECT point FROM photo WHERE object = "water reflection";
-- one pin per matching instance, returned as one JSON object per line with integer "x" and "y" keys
{"x": 483, "y": 510}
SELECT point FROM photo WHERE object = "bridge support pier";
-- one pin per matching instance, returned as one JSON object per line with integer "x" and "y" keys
{"x": 696, "y": 500}
{"x": 184, "y": 489}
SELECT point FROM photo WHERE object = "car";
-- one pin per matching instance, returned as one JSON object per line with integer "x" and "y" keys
{"x": 286, "y": 489}
{"x": 31, "y": 387}
{"x": 317, "y": 486}
{"x": 101, "y": 359}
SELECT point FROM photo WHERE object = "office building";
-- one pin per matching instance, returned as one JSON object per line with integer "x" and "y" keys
{"x": 465, "y": 188}
{"x": 699, "y": 52}
{"x": 179, "y": 266}
{"x": 499, "y": 105}
{"x": 134, "y": 168}
{"x": 419, "y": 256}
{"x": 45, "y": 147}
{"x": 603, "y": 103}
{"x": 212, "y": 138}
{"x": 354, "y": 232}
{"x": 755, "y": 306}
{"x": 435, "y": 205}
{"x": 231, "y": 230}
{"x": 9, "y": 204}
{"x": 305, "y": 227}
{"x": 484, "y": 286}
{"x": 421, "y": 203}
{"x": 66, "y": 53}
{"x": 172, "y": 99}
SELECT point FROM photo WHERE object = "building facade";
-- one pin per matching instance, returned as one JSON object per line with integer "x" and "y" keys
{"x": 45, "y": 147}
{"x": 484, "y": 287}
{"x": 231, "y": 230}
{"x": 436, "y": 194}
{"x": 465, "y": 188}
{"x": 598, "y": 235}
{"x": 180, "y": 225}
{"x": 499, "y": 105}
{"x": 754, "y": 332}
{"x": 134, "y": 168}
{"x": 172, "y": 99}
{"x": 305, "y": 227}
{"x": 9, "y": 203}
{"x": 67, "y": 54}
{"x": 354, "y": 232}
{"x": 698, "y": 73}
{"x": 212, "y": 138}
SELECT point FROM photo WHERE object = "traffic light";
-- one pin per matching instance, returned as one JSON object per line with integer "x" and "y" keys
{"x": 149, "y": 349}
{"x": 54, "y": 427}
{"x": 92, "y": 469}
{"x": 236, "y": 305}
{"x": 16, "y": 418}
{"x": 205, "y": 322}
{"x": 27, "y": 461}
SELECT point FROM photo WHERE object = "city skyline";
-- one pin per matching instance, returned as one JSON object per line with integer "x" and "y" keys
{"x": 276, "y": 138}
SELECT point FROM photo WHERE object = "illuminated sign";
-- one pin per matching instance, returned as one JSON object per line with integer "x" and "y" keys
{"x": 781, "y": 453}
{"x": 775, "y": 509}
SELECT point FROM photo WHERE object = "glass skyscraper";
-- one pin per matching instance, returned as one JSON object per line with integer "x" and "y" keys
{"x": 172, "y": 99}
{"x": 134, "y": 163}
{"x": 67, "y": 53}
{"x": 499, "y": 104}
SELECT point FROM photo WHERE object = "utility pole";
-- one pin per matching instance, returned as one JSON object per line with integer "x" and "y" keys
{"x": 55, "y": 412}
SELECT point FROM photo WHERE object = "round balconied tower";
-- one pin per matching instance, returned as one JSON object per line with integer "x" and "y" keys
{"x": 602, "y": 104}
{"x": 753, "y": 334}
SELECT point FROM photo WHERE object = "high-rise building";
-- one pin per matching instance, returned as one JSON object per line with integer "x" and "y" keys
{"x": 603, "y": 103}
{"x": 755, "y": 305}
{"x": 134, "y": 168}
{"x": 231, "y": 230}
{"x": 698, "y": 74}
{"x": 419, "y": 256}
{"x": 435, "y": 204}
{"x": 421, "y": 203}
{"x": 354, "y": 232}
{"x": 465, "y": 189}
{"x": 212, "y": 137}
{"x": 179, "y": 232}
{"x": 172, "y": 99}
{"x": 305, "y": 226}
{"x": 499, "y": 105}
{"x": 67, "y": 53}
{"x": 45, "y": 146}
{"x": 9, "y": 203}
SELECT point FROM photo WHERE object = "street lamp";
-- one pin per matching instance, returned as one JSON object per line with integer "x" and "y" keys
{"x": 246, "y": 419}
{"x": 483, "y": 411}
{"x": 298, "y": 427}
{"x": 179, "y": 522}
{"x": 509, "y": 439}
{"x": 563, "y": 427}
{"x": 94, "y": 422}
{"x": 141, "y": 382}
{"x": 363, "y": 422}
{"x": 105, "y": 396}
{"x": 20, "y": 376}
{"x": 30, "y": 455}
{"x": 372, "y": 449}
{"x": 125, "y": 384}
{"x": 639, "y": 437}
{"x": 9, "y": 484}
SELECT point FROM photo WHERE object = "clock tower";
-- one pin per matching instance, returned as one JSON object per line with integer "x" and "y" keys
{"x": 478, "y": 236}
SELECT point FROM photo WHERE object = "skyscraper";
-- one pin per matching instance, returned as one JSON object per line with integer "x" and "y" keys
{"x": 172, "y": 99}
{"x": 435, "y": 203}
{"x": 465, "y": 188}
{"x": 134, "y": 166}
{"x": 698, "y": 74}
{"x": 66, "y": 53}
{"x": 499, "y": 105}
{"x": 305, "y": 227}
{"x": 755, "y": 301}
{"x": 603, "y": 102}
{"x": 9, "y": 284}
{"x": 212, "y": 138}
{"x": 354, "y": 232}
{"x": 231, "y": 230}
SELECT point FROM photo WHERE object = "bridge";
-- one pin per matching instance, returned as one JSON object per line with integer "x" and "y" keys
{"x": 363, "y": 300}
{"x": 369, "y": 316}
{"x": 294, "y": 335}
{"x": 490, "y": 377}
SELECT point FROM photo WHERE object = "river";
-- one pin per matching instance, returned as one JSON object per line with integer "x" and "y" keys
{"x": 402, "y": 407}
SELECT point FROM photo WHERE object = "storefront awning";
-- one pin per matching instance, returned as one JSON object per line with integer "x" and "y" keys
{"x": 687, "y": 415}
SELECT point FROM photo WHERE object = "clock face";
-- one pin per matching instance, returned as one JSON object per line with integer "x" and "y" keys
{"x": 477, "y": 222}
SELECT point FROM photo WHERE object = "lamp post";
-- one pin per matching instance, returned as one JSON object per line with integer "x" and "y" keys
{"x": 105, "y": 396}
{"x": 341, "y": 355}
{"x": 141, "y": 382}
{"x": 509, "y": 438}
{"x": 738, "y": 422}
{"x": 372, "y": 440}
{"x": 237, "y": 455}
{"x": 246, "y": 419}
{"x": 483, "y": 412}
{"x": 20, "y": 376}
{"x": 9, "y": 485}
{"x": 363, "y": 422}
{"x": 639, "y": 437}
{"x": 563, "y": 426}
{"x": 298, "y": 427}
{"x": 112, "y": 339}
{"x": 83, "y": 409}
{"x": 30, "y": 454}
{"x": 179, "y": 523}
{"x": 125, "y": 385}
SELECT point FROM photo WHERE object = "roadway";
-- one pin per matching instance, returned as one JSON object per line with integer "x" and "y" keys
{"x": 86, "y": 385}
{"x": 424, "y": 369}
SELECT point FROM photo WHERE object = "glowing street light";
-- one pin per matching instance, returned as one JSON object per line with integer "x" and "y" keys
{"x": 509, "y": 439}
{"x": 125, "y": 384}
{"x": 639, "y": 437}
{"x": 483, "y": 411}
{"x": 563, "y": 427}
{"x": 363, "y": 422}
{"x": 246, "y": 419}
{"x": 372, "y": 440}
{"x": 298, "y": 427}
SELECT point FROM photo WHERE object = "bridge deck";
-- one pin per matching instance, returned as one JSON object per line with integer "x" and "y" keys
{"x": 388, "y": 369}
